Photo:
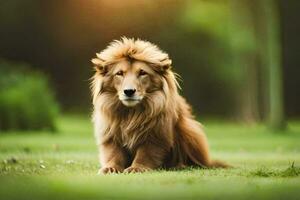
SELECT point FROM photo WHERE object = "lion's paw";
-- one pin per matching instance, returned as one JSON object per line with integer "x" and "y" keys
{"x": 136, "y": 170}
{"x": 109, "y": 170}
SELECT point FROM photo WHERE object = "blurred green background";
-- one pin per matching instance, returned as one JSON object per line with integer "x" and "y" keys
{"x": 238, "y": 59}
{"x": 239, "y": 62}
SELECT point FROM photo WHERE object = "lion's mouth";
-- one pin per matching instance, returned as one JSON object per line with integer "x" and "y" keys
{"x": 131, "y": 98}
{"x": 130, "y": 101}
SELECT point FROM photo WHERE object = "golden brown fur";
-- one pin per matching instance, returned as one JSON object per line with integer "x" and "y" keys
{"x": 153, "y": 129}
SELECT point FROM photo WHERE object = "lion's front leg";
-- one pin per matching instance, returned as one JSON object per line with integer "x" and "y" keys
{"x": 112, "y": 157}
{"x": 147, "y": 157}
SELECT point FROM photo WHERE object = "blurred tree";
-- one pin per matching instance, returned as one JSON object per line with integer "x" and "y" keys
{"x": 257, "y": 50}
{"x": 244, "y": 47}
{"x": 273, "y": 62}
{"x": 204, "y": 27}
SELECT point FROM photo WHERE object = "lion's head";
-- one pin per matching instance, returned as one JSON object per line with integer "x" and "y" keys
{"x": 132, "y": 72}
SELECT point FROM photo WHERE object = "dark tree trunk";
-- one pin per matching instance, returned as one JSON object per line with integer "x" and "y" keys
{"x": 244, "y": 47}
{"x": 273, "y": 62}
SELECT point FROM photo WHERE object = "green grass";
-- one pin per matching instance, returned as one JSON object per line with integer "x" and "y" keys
{"x": 64, "y": 165}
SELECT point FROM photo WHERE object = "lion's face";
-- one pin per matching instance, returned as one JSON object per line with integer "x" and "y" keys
{"x": 132, "y": 72}
{"x": 133, "y": 81}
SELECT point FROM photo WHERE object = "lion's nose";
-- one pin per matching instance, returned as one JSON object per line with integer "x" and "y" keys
{"x": 129, "y": 92}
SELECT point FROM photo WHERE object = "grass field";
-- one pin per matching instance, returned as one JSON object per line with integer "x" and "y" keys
{"x": 39, "y": 165}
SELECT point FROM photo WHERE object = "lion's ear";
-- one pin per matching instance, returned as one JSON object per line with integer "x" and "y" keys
{"x": 99, "y": 65}
{"x": 165, "y": 64}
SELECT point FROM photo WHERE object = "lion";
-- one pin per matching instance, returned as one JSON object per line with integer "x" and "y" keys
{"x": 141, "y": 122}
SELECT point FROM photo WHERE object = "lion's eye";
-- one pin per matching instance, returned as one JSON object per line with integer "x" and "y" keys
{"x": 119, "y": 73}
{"x": 142, "y": 73}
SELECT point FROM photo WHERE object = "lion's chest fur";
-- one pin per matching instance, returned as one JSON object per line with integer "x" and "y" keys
{"x": 127, "y": 131}
{"x": 130, "y": 131}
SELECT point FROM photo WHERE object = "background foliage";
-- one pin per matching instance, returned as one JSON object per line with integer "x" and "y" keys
{"x": 26, "y": 100}
{"x": 217, "y": 47}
